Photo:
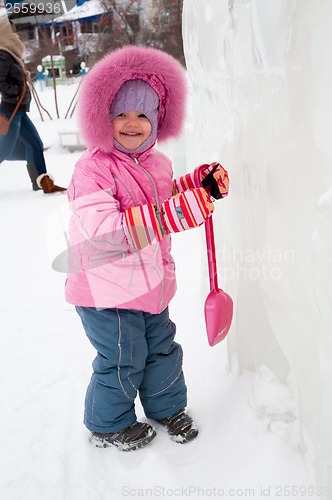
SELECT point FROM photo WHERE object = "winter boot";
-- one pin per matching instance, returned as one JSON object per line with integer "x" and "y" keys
{"x": 46, "y": 183}
{"x": 33, "y": 174}
{"x": 133, "y": 437}
{"x": 180, "y": 427}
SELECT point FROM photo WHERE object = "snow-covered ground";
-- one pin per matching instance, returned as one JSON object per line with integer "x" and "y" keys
{"x": 261, "y": 75}
{"x": 245, "y": 448}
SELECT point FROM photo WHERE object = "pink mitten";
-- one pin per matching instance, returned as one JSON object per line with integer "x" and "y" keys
{"x": 213, "y": 177}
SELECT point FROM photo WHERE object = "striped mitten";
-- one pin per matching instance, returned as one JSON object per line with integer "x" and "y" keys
{"x": 213, "y": 177}
{"x": 148, "y": 223}
{"x": 142, "y": 225}
{"x": 185, "y": 210}
{"x": 185, "y": 182}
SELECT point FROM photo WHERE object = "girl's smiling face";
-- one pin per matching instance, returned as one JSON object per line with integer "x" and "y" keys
{"x": 131, "y": 129}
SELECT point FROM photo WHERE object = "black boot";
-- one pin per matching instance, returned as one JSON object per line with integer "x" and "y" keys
{"x": 33, "y": 174}
{"x": 180, "y": 427}
{"x": 133, "y": 437}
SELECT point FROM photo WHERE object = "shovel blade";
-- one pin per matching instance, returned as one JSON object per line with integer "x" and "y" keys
{"x": 218, "y": 315}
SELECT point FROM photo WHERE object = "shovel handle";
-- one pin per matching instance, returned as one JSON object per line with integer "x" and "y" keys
{"x": 211, "y": 254}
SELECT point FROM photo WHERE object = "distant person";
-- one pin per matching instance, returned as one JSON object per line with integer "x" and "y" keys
{"x": 121, "y": 275}
{"x": 22, "y": 141}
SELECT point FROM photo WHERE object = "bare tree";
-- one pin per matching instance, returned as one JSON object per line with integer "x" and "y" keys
{"x": 125, "y": 19}
{"x": 165, "y": 29}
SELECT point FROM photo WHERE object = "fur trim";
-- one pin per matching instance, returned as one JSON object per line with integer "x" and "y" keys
{"x": 10, "y": 42}
{"x": 41, "y": 177}
{"x": 160, "y": 70}
{"x": 3, "y": 12}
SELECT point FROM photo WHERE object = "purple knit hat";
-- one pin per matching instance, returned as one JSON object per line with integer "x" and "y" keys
{"x": 137, "y": 94}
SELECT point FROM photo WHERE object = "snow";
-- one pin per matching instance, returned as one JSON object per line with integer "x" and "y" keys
{"x": 91, "y": 9}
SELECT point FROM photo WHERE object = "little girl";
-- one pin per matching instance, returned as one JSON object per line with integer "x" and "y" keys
{"x": 121, "y": 275}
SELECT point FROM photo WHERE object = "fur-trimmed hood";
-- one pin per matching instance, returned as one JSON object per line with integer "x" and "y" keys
{"x": 165, "y": 75}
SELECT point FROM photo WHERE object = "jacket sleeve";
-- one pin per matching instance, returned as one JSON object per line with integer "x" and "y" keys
{"x": 94, "y": 209}
{"x": 6, "y": 87}
{"x": 188, "y": 181}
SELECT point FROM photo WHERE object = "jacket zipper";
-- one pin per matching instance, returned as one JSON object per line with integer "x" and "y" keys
{"x": 157, "y": 203}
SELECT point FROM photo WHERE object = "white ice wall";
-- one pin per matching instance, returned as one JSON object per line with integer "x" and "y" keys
{"x": 261, "y": 75}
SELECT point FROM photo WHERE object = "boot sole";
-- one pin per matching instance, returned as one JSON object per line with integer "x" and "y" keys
{"x": 136, "y": 445}
{"x": 177, "y": 438}
{"x": 192, "y": 434}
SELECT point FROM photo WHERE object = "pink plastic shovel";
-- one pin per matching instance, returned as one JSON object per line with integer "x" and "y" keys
{"x": 218, "y": 304}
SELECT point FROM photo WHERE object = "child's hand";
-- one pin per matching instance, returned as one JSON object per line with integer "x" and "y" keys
{"x": 214, "y": 180}
{"x": 213, "y": 177}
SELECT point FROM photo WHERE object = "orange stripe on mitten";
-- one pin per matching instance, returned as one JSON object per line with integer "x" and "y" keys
{"x": 142, "y": 226}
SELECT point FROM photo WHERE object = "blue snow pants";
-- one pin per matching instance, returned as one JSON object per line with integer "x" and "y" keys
{"x": 136, "y": 353}
{"x": 30, "y": 147}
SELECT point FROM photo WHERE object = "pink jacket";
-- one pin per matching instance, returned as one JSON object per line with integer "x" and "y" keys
{"x": 104, "y": 271}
